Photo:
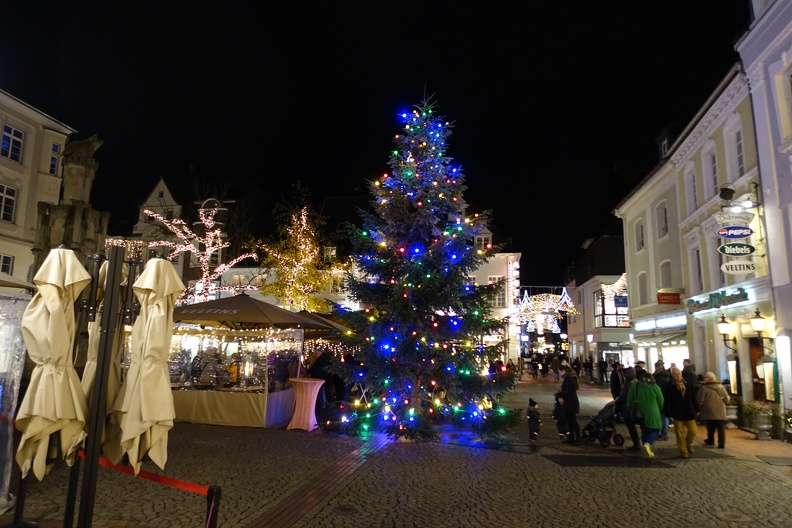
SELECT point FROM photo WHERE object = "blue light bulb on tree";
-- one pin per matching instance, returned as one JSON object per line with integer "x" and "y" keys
{"x": 414, "y": 253}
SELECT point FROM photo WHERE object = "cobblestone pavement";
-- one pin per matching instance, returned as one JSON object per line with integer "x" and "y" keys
{"x": 460, "y": 482}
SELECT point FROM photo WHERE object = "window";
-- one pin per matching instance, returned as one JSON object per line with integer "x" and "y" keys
{"x": 329, "y": 254}
{"x": 692, "y": 194}
{"x": 610, "y": 311}
{"x": 643, "y": 297}
{"x": 11, "y": 146}
{"x": 214, "y": 258}
{"x": 7, "y": 203}
{"x": 699, "y": 272}
{"x": 713, "y": 167}
{"x": 639, "y": 235}
{"x": 53, "y": 169}
{"x": 483, "y": 241}
{"x": 7, "y": 264}
{"x": 662, "y": 220}
{"x": 738, "y": 149}
{"x": 500, "y": 299}
{"x": 663, "y": 148}
{"x": 665, "y": 275}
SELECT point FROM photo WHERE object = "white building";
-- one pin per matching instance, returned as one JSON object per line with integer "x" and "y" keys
{"x": 766, "y": 53}
{"x": 30, "y": 172}
{"x": 686, "y": 271}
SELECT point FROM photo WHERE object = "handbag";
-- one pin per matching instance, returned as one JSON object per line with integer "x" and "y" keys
{"x": 635, "y": 410}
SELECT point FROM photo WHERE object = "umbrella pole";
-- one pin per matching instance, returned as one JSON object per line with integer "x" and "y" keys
{"x": 93, "y": 442}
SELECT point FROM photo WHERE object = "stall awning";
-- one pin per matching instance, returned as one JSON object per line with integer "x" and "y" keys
{"x": 661, "y": 338}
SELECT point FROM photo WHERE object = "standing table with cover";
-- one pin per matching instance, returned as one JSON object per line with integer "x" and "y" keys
{"x": 305, "y": 392}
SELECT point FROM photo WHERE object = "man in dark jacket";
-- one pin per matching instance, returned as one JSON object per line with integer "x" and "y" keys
{"x": 623, "y": 411}
{"x": 682, "y": 405}
{"x": 689, "y": 373}
{"x": 602, "y": 366}
{"x": 662, "y": 377}
{"x": 616, "y": 379}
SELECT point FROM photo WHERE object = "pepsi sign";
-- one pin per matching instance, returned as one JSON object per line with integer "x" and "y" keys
{"x": 735, "y": 232}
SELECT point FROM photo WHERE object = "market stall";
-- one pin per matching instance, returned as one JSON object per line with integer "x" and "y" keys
{"x": 231, "y": 361}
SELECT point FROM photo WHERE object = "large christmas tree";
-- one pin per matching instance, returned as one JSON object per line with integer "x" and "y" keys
{"x": 423, "y": 318}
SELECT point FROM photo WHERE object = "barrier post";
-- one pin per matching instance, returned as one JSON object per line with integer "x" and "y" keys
{"x": 212, "y": 506}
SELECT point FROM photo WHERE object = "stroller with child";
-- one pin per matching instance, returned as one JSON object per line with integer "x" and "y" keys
{"x": 602, "y": 427}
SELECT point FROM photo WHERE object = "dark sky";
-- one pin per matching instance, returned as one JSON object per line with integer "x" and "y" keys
{"x": 556, "y": 107}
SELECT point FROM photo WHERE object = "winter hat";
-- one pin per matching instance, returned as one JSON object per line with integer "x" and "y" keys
{"x": 629, "y": 373}
{"x": 531, "y": 402}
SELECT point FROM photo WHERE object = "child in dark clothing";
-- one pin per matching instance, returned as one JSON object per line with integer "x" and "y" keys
{"x": 534, "y": 421}
{"x": 561, "y": 420}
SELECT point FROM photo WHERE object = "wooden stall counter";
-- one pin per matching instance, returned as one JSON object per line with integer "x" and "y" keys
{"x": 238, "y": 407}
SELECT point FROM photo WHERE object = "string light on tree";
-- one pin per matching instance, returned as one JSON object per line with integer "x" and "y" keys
{"x": 203, "y": 248}
{"x": 423, "y": 320}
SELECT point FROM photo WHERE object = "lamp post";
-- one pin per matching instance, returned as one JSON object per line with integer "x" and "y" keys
{"x": 724, "y": 329}
{"x": 759, "y": 325}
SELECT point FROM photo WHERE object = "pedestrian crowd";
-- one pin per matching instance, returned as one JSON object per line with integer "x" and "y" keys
{"x": 651, "y": 402}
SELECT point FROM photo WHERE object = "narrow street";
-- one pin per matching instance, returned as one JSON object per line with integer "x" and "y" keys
{"x": 275, "y": 477}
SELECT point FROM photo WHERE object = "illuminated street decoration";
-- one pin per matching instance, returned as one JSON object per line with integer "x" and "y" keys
{"x": 541, "y": 312}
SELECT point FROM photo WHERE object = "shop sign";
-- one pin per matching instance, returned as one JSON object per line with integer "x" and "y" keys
{"x": 738, "y": 267}
{"x": 728, "y": 218}
{"x": 668, "y": 298}
{"x": 717, "y": 300}
{"x": 736, "y": 249}
{"x": 735, "y": 232}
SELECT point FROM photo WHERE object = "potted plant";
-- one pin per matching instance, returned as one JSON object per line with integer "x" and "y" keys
{"x": 760, "y": 415}
{"x": 731, "y": 410}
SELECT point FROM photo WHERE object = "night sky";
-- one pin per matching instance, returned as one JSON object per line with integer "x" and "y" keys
{"x": 556, "y": 107}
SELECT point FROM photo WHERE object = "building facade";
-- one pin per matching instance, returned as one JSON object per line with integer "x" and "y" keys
{"x": 598, "y": 288}
{"x": 30, "y": 174}
{"x": 766, "y": 54}
{"x": 695, "y": 245}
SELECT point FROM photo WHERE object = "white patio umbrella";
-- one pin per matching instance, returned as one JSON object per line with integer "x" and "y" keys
{"x": 144, "y": 406}
{"x": 54, "y": 402}
{"x": 94, "y": 336}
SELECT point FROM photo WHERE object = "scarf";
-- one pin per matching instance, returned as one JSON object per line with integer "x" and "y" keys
{"x": 681, "y": 386}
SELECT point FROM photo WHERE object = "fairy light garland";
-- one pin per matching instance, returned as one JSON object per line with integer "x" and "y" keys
{"x": 212, "y": 242}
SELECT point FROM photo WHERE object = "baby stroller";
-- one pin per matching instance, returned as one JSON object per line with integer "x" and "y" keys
{"x": 602, "y": 427}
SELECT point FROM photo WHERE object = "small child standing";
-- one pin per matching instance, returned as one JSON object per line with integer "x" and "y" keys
{"x": 534, "y": 421}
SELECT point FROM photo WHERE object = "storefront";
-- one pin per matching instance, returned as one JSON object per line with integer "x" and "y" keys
{"x": 663, "y": 337}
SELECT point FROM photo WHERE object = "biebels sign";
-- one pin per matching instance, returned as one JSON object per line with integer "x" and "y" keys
{"x": 735, "y": 232}
{"x": 736, "y": 249}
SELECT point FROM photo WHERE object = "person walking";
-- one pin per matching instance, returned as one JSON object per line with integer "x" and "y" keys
{"x": 555, "y": 365}
{"x": 662, "y": 377}
{"x": 570, "y": 405}
{"x": 689, "y": 373}
{"x": 682, "y": 406}
{"x": 576, "y": 366}
{"x": 602, "y": 365}
{"x": 623, "y": 410}
{"x": 712, "y": 398}
{"x": 534, "y": 419}
{"x": 649, "y": 399}
{"x": 616, "y": 379}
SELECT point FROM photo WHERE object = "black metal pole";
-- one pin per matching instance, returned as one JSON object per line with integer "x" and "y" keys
{"x": 93, "y": 443}
{"x": 71, "y": 494}
{"x": 212, "y": 506}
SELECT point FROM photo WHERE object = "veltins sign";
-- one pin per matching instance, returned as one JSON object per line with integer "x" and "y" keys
{"x": 735, "y": 232}
{"x": 736, "y": 249}
{"x": 738, "y": 267}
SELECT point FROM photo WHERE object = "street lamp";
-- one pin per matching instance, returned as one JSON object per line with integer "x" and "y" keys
{"x": 724, "y": 329}
{"x": 759, "y": 324}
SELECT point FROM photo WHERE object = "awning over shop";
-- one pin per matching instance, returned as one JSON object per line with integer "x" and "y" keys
{"x": 661, "y": 338}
